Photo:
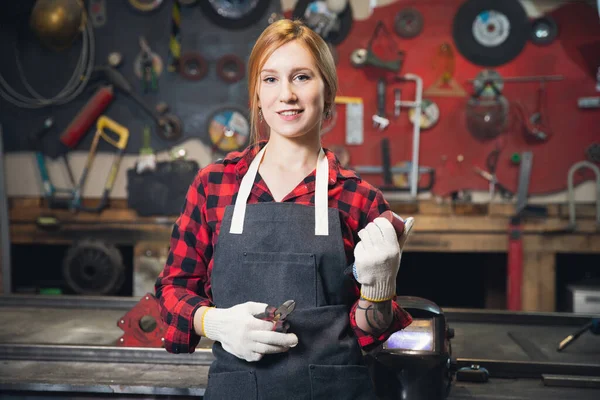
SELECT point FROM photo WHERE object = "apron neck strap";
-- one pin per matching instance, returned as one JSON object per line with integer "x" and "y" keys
{"x": 321, "y": 195}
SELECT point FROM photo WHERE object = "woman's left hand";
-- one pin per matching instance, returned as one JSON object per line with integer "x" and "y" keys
{"x": 377, "y": 258}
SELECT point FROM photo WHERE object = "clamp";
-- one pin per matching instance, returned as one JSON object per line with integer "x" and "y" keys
{"x": 574, "y": 168}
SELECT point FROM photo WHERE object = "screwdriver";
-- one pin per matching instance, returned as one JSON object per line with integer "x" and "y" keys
{"x": 593, "y": 325}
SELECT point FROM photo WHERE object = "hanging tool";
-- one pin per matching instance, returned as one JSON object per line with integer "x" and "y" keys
{"x": 147, "y": 69}
{"x": 380, "y": 120}
{"x": 147, "y": 159}
{"x": 592, "y": 153}
{"x": 416, "y": 105}
{"x": 592, "y": 326}
{"x": 97, "y": 12}
{"x": 168, "y": 125}
{"x": 430, "y": 114}
{"x": 397, "y": 102}
{"x": 408, "y": 23}
{"x": 387, "y": 170}
{"x": 122, "y": 133}
{"x": 175, "y": 37}
{"x": 63, "y": 201}
{"x": 588, "y": 102}
{"x": 514, "y": 269}
{"x": 86, "y": 117}
{"x": 366, "y": 57}
{"x": 278, "y": 315}
{"x": 354, "y": 118}
{"x": 445, "y": 84}
{"x": 571, "y": 192}
{"x": 491, "y": 178}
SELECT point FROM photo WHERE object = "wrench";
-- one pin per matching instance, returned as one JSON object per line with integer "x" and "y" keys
{"x": 380, "y": 121}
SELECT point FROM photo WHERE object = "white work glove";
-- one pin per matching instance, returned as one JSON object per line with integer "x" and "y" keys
{"x": 377, "y": 258}
{"x": 243, "y": 335}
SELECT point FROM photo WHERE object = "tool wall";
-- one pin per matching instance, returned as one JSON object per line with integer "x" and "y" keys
{"x": 209, "y": 83}
{"x": 492, "y": 89}
{"x": 549, "y": 79}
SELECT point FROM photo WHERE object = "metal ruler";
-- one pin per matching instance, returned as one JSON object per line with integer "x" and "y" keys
{"x": 354, "y": 119}
{"x": 524, "y": 175}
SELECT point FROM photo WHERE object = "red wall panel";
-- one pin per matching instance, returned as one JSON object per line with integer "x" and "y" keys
{"x": 575, "y": 55}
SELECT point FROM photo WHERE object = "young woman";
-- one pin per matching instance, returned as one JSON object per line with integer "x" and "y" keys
{"x": 283, "y": 220}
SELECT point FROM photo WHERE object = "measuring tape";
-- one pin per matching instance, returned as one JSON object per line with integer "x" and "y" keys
{"x": 354, "y": 118}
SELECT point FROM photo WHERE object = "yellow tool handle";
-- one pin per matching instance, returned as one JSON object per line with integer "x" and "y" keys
{"x": 120, "y": 130}
{"x": 348, "y": 100}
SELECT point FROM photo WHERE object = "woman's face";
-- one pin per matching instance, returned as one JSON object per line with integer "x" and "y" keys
{"x": 291, "y": 92}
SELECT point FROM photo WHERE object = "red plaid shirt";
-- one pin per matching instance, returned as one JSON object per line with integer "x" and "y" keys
{"x": 184, "y": 284}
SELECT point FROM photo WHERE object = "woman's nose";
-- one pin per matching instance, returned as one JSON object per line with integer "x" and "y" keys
{"x": 286, "y": 93}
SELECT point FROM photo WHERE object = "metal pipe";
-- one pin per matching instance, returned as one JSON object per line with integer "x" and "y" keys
{"x": 574, "y": 168}
{"x": 541, "y": 78}
{"x": 414, "y": 175}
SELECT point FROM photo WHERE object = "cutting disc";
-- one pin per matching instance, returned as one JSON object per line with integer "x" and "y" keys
{"x": 408, "y": 23}
{"x": 234, "y": 14}
{"x": 485, "y": 82}
{"x": 228, "y": 129}
{"x": 490, "y": 32}
{"x": 430, "y": 114}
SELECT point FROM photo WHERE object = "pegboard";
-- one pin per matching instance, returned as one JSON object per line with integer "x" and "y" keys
{"x": 192, "y": 101}
{"x": 575, "y": 55}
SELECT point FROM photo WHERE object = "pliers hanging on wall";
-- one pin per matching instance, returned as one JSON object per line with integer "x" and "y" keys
{"x": 278, "y": 315}
{"x": 149, "y": 76}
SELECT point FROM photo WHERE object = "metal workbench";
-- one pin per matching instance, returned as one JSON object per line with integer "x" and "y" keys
{"x": 67, "y": 345}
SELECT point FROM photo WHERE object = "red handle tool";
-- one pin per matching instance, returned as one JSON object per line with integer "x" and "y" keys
{"x": 278, "y": 315}
{"x": 87, "y": 116}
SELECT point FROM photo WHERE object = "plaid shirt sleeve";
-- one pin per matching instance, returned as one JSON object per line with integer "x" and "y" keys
{"x": 182, "y": 287}
{"x": 401, "y": 317}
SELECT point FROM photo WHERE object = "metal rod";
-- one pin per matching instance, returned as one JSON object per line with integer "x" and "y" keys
{"x": 457, "y": 315}
{"x": 105, "y": 390}
{"x": 529, "y": 369}
{"x": 68, "y": 301}
{"x": 108, "y": 354}
{"x": 518, "y": 79}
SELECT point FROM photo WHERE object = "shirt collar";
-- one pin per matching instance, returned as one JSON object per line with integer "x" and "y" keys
{"x": 242, "y": 160}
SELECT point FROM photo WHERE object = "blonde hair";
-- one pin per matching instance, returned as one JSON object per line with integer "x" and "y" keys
{"x": 274, "y": 36}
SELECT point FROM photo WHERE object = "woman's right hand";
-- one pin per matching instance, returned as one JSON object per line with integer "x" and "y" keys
{"x": 240, "y": 333}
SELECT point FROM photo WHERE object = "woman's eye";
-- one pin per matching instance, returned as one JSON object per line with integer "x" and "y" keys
{"x": 302, "y": 77}
{"x": 269, "y": 80}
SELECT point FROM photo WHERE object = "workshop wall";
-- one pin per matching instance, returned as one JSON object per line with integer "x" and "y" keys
{"x": 448, "y": 146}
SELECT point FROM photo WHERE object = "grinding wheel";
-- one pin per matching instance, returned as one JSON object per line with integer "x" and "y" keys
{"x": 408, "y": 23}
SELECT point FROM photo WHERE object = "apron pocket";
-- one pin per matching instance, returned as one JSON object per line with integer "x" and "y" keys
{"x": 231, "y": 386}
{"x": 341, "y": 382}
{"x": 273, "y": 278}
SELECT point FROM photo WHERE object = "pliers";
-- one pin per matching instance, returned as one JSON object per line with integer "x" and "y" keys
{"x": 504, "y": 192}
{"x": 278, "y": 315}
